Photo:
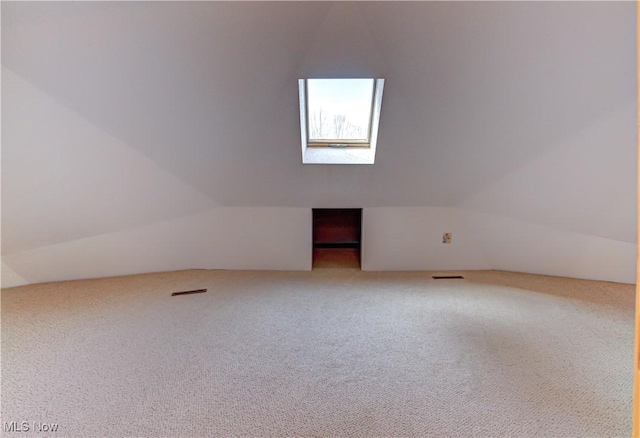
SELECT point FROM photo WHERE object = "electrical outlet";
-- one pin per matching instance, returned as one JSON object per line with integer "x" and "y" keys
{"x": 446, "y": 238}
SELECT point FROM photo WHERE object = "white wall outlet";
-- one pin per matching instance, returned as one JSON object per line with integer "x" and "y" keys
{"x": 446, "y": 238}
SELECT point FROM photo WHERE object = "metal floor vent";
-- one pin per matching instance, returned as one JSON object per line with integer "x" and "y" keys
{"x": 189, "y": 292}
{"x": 447, "y": 277}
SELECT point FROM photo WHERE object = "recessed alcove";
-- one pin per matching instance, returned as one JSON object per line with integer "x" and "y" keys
{"x": 337, "y": 238}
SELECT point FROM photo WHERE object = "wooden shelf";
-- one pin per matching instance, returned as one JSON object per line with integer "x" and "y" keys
{"x": 336, "y": 237}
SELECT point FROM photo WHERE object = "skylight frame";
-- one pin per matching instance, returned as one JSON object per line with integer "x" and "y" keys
{"x": 342, "y": 151}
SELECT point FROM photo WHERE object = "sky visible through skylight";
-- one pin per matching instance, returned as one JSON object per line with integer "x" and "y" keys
{"x": 339, "y": 109}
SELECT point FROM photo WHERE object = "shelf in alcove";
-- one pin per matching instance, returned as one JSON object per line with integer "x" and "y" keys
{"x": 336, "y": 258}
{"x": 336, "y": 238}
{"x": 336, "y": 245}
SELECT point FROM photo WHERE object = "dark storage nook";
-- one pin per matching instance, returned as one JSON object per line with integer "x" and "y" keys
{"x": 336, "y": 238}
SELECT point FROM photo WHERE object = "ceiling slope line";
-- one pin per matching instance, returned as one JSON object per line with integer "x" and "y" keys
{"x": 113, "y": 137}
{"x": 564, "y": 142}
{"x": 112, "y": 232}
{"x": 535, "y": 224}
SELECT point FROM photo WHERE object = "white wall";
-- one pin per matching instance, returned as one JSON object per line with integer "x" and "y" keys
{"x": 411, "y": 239}
{"x": 220, "y": 238}
{"x": 585, "y": 183}
{"x": 64, "y": 179}
{"x": 10, "y": 278}
{"x": 513, "y": 245}
{"x": 79, "y": 203}
{"x": 173, "y": 142}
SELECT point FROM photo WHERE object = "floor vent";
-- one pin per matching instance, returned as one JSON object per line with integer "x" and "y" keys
{"x": 447, "y": 277}
{"x": 189, "y": 292}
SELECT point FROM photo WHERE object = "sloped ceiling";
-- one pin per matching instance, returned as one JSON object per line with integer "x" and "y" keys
{"x": 486, "y": 103}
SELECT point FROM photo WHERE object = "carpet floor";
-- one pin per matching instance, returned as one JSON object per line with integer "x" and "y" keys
{"x": 332, "y": 352}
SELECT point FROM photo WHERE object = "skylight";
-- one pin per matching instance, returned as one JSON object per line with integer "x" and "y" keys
{"x": 339, "y": 110}
{"x": 339, "y": 120}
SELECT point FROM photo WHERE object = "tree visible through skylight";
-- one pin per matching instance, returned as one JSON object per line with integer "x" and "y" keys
{"x": 339, "y": 109}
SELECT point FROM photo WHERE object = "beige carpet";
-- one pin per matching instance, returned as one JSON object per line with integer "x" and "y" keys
{"x": 323, "y": 353}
